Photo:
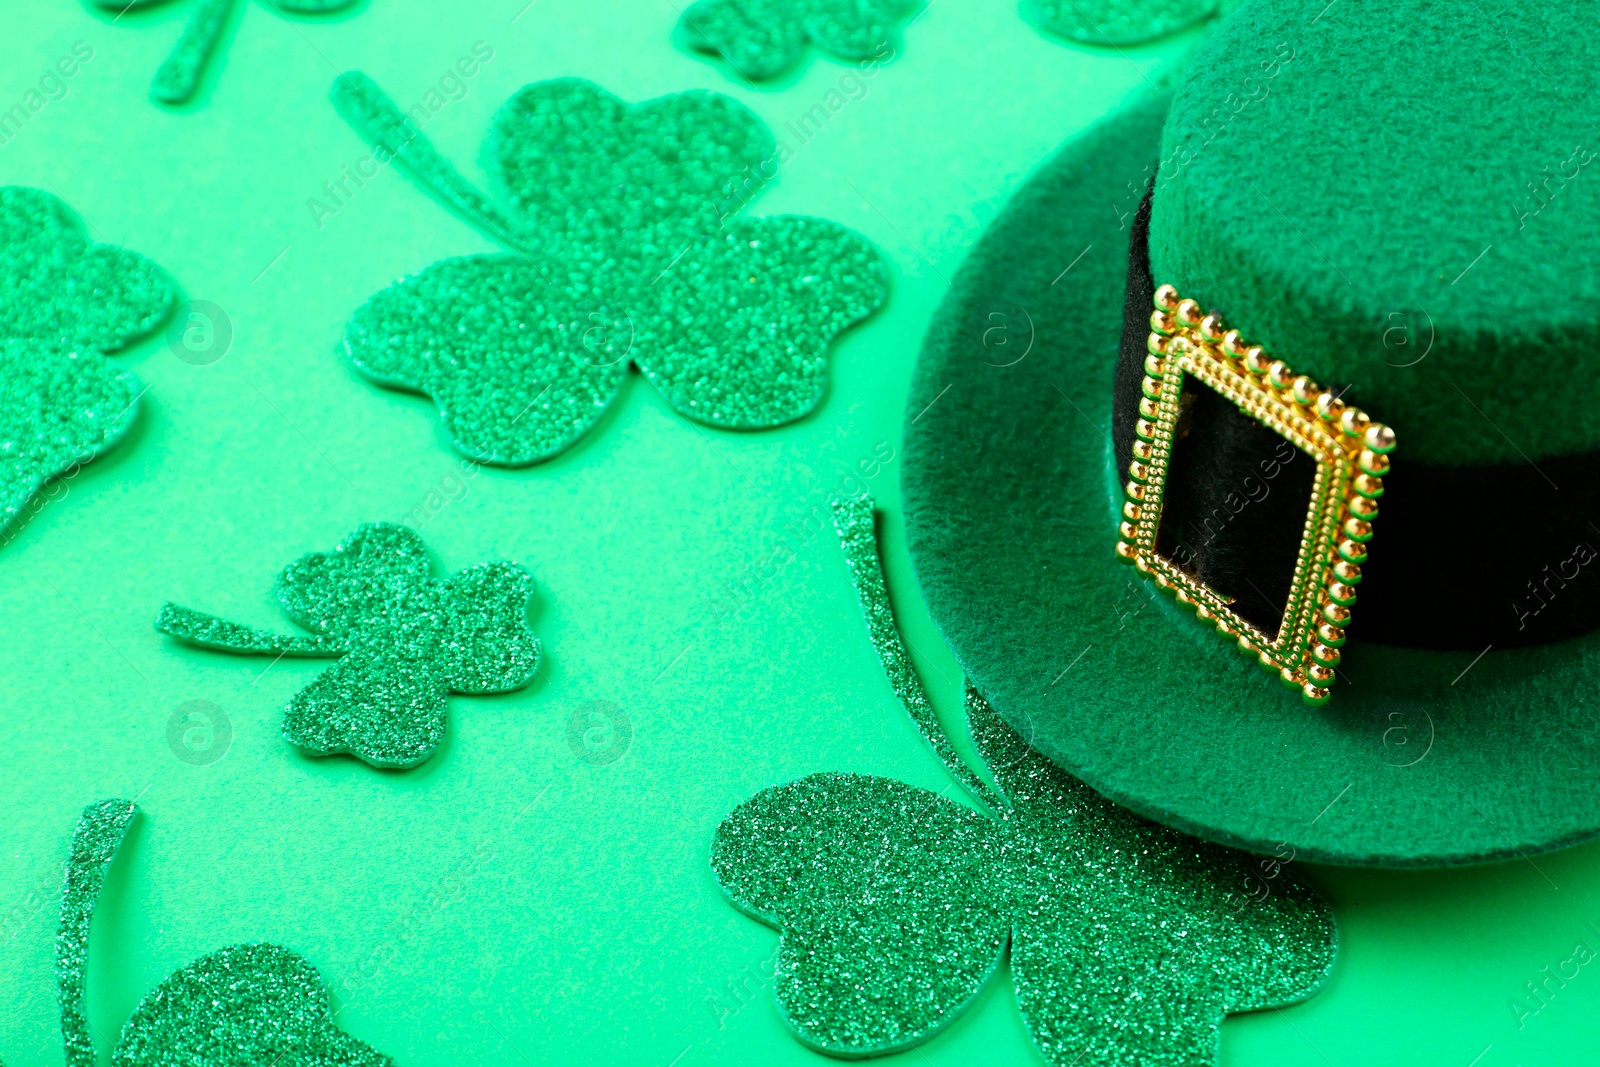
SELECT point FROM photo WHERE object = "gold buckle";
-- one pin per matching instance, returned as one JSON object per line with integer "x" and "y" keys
{"x": 1351, "y": 453}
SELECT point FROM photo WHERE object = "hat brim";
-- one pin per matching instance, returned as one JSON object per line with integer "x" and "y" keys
{"x": 1011, "y": 492}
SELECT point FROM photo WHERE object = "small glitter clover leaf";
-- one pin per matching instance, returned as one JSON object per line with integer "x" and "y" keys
{"x": 1116, "y": 23}
{"x": 763, "y": 38}
{"x": 243, "y": 1005}
{"x": 179, "y": 74}
{"x": 64, "y": 302}
{"x": 625, "y": 250}
{"x": 1128, "y": 941}
{"x": 406, "y": 640}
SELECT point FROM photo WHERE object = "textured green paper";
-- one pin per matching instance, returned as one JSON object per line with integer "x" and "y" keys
{"x": 656, "y": 543}
{"x": 628, "y": 254}
{"x": 1129, "y": 942}
{"x": 405, "y": 641}
{"x": 239, "y": 1007}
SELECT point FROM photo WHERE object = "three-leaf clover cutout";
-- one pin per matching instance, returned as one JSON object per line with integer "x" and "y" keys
{"x": 179, "y": 74}
{"x": 64, "y": 302}
{"x": 626, "y": 248}
{"x": 243, "y": 1005}
{"x": 762, "y": 38}
{"x": 404, "y": 641}
{"x": 1128, "y": 941}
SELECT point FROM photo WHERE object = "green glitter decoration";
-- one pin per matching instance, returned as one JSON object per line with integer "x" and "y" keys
{"x": 1129, "y": 942}
{"x": 626, "y": 251}
{"x": 242, "y": 1006}
{"x": 179, "y": 75}
{"x": 762, "y": 38}
{"x": 100, "y": 831}
{"x": 56, "y": 285}
{"x": 856, "y": 524}
{"x": 64, "y": 301}
{"x": 1116, "y": 23}
{"x": 404, "y": 640}
{"x": 394, "y": 136}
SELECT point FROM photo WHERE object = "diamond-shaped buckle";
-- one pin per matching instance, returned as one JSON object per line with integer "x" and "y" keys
{"x": 1351, "y": 454}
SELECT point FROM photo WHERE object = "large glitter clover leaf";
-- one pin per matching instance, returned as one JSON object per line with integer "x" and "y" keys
{"x": 64, "y": 302}
{"x": 404, "y": 639}
{"x": 762, "y": 38}
{"x": 1128, "y": 941}
{"x": 202, "y": 39}
{"x": 625, "y": 250}
{"x": 237, "y": 1007}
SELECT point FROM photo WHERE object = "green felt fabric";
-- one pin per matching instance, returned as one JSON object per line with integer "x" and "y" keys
{"x": 1423, "y": 759}
{"x": 1401, "y": 198}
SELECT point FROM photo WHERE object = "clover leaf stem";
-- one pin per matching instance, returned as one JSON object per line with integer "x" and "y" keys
{"x": 100, "y": 832}
{"x": 855, "y": 522}
{"x": 179, "y": 73}
{"x": 209, "y": 631}
{"x": 372, "y": 114}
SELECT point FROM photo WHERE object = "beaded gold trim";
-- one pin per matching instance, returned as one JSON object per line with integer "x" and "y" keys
{"x": 1352, "y": 455}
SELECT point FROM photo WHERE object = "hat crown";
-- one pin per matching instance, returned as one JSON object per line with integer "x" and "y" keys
{"x": 1402, "y": 198}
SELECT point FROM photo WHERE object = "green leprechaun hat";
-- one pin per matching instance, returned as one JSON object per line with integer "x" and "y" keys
{"x": 1289, "y": 369}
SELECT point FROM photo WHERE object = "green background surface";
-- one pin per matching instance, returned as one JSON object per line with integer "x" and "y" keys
{"x": 510, "y": 902}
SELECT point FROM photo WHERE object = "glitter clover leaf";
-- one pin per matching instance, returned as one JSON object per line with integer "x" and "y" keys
{"x": 763, "y": 38}
{"x": 1128, "y": 941}
{"x": 179, "y": 74}
{"x": 243, "y": 1005}
{"x": 625, "y": 251}
{"x": 404, "y": 639}
{"x": 1117, "y": 23}
{"x": 64, "y": 302}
